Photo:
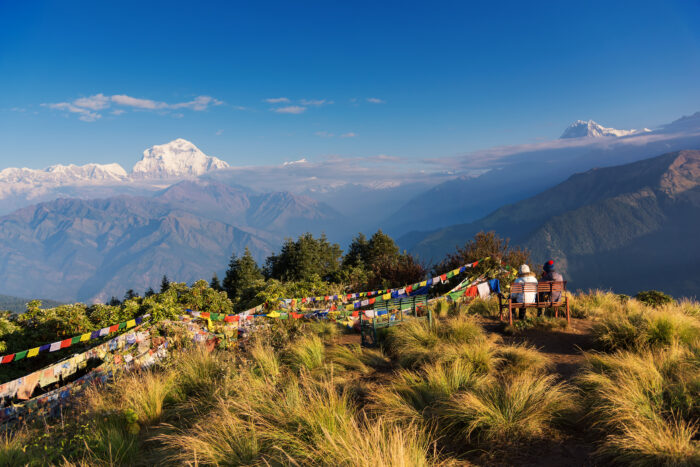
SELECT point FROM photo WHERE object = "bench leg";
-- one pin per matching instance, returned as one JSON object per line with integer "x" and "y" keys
{"x": 510, "y": 314}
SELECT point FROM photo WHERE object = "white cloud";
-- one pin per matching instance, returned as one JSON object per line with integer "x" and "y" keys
{"x": 276, "y": 100}
{"x": 199, "y": 103}
{"x": 123, "y": 99}
{"x": 219, "y": 132}
{"x": 85, "y": 114}
{"x": 290, "y": 109}
{"x": 96, "y": 102}
{"x": 348, "y": 135}
{"x": 87, "y": 107}
{"x": 375, "y": 100}
{"x": 315, "y": 102}
{"x": 300, "y": 161}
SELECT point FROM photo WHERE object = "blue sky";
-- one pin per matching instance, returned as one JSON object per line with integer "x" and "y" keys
{"x": 415, "y": 80}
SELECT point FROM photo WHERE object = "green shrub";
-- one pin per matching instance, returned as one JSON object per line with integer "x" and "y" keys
{"x": 653, "y": 298}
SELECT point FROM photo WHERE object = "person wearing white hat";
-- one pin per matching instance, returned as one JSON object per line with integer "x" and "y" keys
{"x": 525, "y": 276}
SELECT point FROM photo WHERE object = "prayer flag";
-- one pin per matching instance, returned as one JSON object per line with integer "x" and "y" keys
{"x": 85, "y": 337}
{"x": 131, "y": 323}
{"x": 20, "y": 355}
{"x": 7, "y": 358}
{"x": 65, "y": 343}
{"x": 33, "y": 352}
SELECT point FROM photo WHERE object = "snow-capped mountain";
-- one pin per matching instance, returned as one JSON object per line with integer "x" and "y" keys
{"x": 15, "y": 181}
{"x": 591, "y": 129}
{"x": 176, "y": 159}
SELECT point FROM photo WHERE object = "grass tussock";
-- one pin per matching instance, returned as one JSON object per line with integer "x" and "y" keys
{"x": 646, "y": 403}
{"x": 520, "y": 359}
{"x": 306, "y": 353}
{"x": 506, "y": 410}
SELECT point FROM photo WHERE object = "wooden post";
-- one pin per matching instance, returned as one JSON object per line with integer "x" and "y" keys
{"x": 568, "y": 318}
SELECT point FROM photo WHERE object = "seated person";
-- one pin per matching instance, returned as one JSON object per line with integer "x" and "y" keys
{"x": 524, "y": 276}
{"x": 550, "y": 275}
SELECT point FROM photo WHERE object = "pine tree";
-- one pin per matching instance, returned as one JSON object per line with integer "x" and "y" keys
{"x": 215, "y": 284}
{"x": 130, "y": 294}
{"x": 149, "y": 292}
{"x": 242, "y": 273}
{"x": 164, "y": 284}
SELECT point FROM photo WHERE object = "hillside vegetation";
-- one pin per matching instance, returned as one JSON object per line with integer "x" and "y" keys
{"x": 303, "y": 393}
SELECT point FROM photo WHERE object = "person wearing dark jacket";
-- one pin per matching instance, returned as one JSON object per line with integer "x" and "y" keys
{"x": 550, "y": 275}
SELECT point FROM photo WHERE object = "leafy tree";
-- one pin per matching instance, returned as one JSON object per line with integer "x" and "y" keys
{"x": 395, "y": 271}
{"x": 164, "y": 284}
{"x": 298, "y": 261}
{"x": 486, "y": 244}
{"x": 215, "y": 284}
{"x": 114, "y": 301}
{"x": 149, "y": 292}
{"x": 242, "y": 274}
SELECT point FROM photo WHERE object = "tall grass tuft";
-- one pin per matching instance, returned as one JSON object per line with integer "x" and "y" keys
{"x": 12, "y": 450}
{"x": 411, "y": 343}
{"x": 306, "y": 353}
{"x": 506, "y": 409}
{"x": 265, "y": 362}
{"x": 224, "y": 438}
{"x": 647, "y": 402}
{"x": 412, "y": 397}
{"x": 483, "y": 307}
{"x": 521, "y": 358}
{"x": 380, "y": 444}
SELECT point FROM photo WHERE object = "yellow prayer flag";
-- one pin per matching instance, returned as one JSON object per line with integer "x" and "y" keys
{"x": 455, "y": 271}
{"x": 131, "y": 323}
{"x": 85, "y": 337}
{"x": 33, "y": 352}
{"x": 386, "y": 296}
{"x": 424, "y": 283}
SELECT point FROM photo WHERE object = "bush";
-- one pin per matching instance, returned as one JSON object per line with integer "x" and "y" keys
{"x": 653, "y": 298}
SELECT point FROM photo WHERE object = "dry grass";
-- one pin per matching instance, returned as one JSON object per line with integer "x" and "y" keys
{"x": 506, "y": 409}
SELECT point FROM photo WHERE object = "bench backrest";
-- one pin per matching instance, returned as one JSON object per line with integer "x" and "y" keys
{"x": 529, "y": 287}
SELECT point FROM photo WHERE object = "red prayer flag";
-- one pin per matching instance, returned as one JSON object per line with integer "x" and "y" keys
{"x": 443, "y": 277}
{"x": 113, "y": 328}
{"x": 66, "y": 343}
{"x": 372, "y": 300}
{"x": 7, "y": 358}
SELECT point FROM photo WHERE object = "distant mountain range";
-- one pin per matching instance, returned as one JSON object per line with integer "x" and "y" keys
{"x": 19, "y": 304}
{"x": 631, "y": 227}
{"x": 519, "y": 172}
{"x": 93, "y": 231}
{"x": 89, "y": 250}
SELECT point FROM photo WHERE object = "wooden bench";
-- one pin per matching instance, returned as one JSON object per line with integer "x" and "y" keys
{"x": 544, "y": 294}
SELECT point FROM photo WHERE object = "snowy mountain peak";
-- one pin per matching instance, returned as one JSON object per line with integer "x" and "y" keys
{"x": 178, "y": 158}
{"x": 591, "y": 129}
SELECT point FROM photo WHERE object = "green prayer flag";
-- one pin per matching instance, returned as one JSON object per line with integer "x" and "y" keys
{"x": 122, "y": 325}
{"x": 450, "y": 274}
{"x": 75, "y": 340}
{"x": 21, "y": 355}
